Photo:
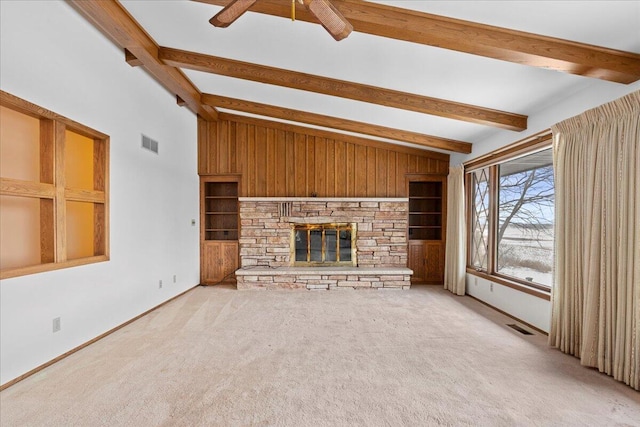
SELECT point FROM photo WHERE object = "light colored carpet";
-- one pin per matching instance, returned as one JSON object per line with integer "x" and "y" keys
{"x": 221, "y": 357}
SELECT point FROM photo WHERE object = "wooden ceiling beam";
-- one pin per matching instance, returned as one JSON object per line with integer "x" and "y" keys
{"x": 342, "y": 89}
{"x": 335, "y": 123}
{"x": 131, "y": 59}
{"x": 119, "y": 26}
{"x": 474, "y": 38}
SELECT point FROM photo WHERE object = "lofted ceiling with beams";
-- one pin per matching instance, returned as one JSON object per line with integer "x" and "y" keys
{"x": 438, "y": 75}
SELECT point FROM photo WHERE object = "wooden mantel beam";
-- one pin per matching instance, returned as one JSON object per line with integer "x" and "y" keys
{"x": 341, "y": 88}
{"x": 119, "y": 26}
{"x": 474, "y": 38}
{"x": 335, "y": 123}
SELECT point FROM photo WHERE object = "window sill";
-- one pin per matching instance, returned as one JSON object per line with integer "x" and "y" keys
{"x": 41, "y": 268}
{"x": 546, "y": 295}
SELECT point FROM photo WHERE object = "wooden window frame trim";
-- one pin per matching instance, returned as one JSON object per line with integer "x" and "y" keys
{"x": 52, "y": 187}
{"x": 537, "y": 142}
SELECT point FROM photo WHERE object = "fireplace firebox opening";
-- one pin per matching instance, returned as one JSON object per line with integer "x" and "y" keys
{"x": 323, "y": 244}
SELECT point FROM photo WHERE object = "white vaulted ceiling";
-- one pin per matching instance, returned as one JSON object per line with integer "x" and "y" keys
{"x": 394, "y": 64}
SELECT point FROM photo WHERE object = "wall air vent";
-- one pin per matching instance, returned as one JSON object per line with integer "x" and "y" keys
{"x": 149, "y": 144}
{"x": 284, "y": 208}
{"x": 520, "y": 329}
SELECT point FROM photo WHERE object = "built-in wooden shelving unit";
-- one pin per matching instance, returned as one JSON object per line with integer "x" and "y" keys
{"x": 425, "y": 210}
{"x": 219, "y": 233}
{"x": 221, "y": 210}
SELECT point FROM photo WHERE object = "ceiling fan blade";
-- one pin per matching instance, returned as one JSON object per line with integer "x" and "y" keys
{"x": 231, "y": 12}
{"x": 330, "y": 18}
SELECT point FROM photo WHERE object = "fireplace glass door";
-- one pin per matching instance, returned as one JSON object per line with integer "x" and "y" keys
{"x": 323, "y": 244}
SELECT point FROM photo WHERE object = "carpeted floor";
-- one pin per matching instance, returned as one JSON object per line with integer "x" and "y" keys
{"x": 221, "y": 357}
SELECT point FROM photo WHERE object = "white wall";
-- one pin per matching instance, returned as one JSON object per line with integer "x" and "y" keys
{"x": 528, "y": 308}
{"x": 52, "y": 57}
{"x": 532, "y": 310}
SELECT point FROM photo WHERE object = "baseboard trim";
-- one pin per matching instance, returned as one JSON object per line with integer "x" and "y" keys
{"x": 529, "y": 325}
{"x": 88, "y": 343}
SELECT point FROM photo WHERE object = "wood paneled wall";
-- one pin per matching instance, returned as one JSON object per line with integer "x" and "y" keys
{"x": 277, "y": 159}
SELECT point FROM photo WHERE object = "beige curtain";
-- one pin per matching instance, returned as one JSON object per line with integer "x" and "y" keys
{"x": 456, "y": 257}
{"x": 596, "y": 295}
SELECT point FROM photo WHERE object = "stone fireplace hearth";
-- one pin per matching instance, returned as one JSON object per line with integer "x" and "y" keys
{"x": 267, "y": 252}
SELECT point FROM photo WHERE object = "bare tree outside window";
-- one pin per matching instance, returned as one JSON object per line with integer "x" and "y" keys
{"x": 526, "y": 218}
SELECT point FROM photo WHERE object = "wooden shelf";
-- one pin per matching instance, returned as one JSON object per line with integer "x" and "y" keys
{"x": 220, "y": 222}
{"x": 220, "y": 210}
{"x": 425, "y": 210}
{"x": 54, "y": 190}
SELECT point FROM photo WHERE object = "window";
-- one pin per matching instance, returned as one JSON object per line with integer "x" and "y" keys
{"x": 480, "y": 219}
{"x": 53, "y": 190}
{"x": 511, "y": 217}
{"x": 525, "y": 218}
{"x": 317, "y": 244}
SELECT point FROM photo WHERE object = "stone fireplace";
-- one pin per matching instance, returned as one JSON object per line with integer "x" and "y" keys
{"x": 375, "y": 229}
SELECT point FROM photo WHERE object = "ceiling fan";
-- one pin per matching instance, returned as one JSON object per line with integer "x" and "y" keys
{"x": 330, "y": 18}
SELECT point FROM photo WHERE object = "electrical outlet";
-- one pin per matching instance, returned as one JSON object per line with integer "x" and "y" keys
{"x": 160, "y": 284}
{"x": 491, "y": 287}
{"x": 174, "y": 278}
{"x": 56, "y": 324}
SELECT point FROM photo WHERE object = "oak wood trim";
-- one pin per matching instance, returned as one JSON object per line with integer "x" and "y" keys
{"x": 340, "y": 88}
{"x": 493, "y": 218}
{"x": 474, "y": 38}
{"x": 225, "y": 177}
{"x": 18, "y": 187}
{"x": 83, "y": 195}
{"x": 33, "y": 110}
{"x": 47, "y": 156}
{"x": 334, "y": 135}
{"x": 513, "y": 285}
{"x": 100, "y": 154}
{"x": 100, "y": 229}
{"x": 469, "y": 206}
{"x": 47, "y": 232}
{"x": 113, "y": 20}
{"x": 59, "y": 203}
{"x": 519, "y": 148}
{"x": 335, "y": 123}
{"x": 88, "y": 343}
{"x": 101, "y": 184}
{"x": 41, "y": 268}
{"x": 47, "y": 175}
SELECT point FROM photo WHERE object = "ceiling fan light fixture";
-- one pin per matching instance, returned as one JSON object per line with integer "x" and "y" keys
{"x": 231, "y": 12}
{"x": 330, "y": 18}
